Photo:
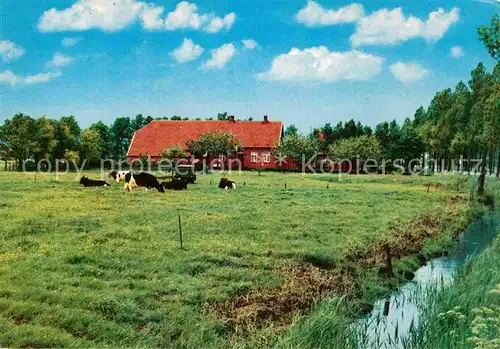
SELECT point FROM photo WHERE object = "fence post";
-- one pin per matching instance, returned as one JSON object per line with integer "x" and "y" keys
{"x": 387, "y": 305}
{"x": 285, "y": 185}
{"x": 180, "y": 230}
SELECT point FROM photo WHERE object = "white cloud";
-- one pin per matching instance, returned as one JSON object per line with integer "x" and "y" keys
{"x": 10, "y": 51}
{"x": 188, "y": 51}
{"x": 151, "y": 17}
{"x": 408, "y": 72}
{"x": 249, "y": 44}
{"x": 319, "y": 64}
{"x": 41, "y": 77}
{"x": 67, "y": 42}
{"x": 91, "y": 14}
{"x": 59, "y": 60}
{"x": 389, "y": 27}
{"x": 491, "y": 2}
{"x": 186, "y": 16}
{"x": 9, "y": 78}
{"x": 457, "y": 52}
{"x": 314, "y": 15}
{"x": 114, "y": 15}
{"x": 216, "y": 24}
{"x": 220, "y": 56}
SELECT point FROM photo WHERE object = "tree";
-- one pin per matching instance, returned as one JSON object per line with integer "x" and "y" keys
{"x": 222, "y": 116}
{"x": 367, "y": 130}
{"x": 67, "y": 135}
{"x": 121, "y": 132}
{"x": 18, "y": 137}
{"x": 338, "y": 132}
{"x": 214, "y": 144}
{"x": 362, "y": 148}
{"x": 291, "y": 130}
{"x": 350, "y": 129}
{"x": 174, "y": 152}
{"x": 138, "y": 122}
{"x": 419, "y": 116}
{"x": 71, "y": 155}
{"x": 91, "y": 145}
{"x": 176, "y": 118}
{"x": 44, "y": 139}
{"x": 410, "y": 145}
{"x": 4, "y": 148}
{"x": 105, "y": 138}
{"x": 490, "y": 36}
{"x": 382, "y": 134}
{"x": 297, "y": 148}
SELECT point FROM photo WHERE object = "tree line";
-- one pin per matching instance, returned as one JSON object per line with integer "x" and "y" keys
{"x": 26, "y": 138}
{"x": 463, "y": 123}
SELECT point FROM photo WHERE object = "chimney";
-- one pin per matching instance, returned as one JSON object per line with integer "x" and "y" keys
{"x": 320, "y": 136}
{"x": 266, "y": 119}
{"x": 231, "y": 118}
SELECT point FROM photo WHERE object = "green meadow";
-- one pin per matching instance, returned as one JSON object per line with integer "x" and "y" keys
{"x": 101, "y": 267}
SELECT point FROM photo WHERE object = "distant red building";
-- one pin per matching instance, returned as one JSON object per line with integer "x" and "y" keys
{"x": 258, "y": 138}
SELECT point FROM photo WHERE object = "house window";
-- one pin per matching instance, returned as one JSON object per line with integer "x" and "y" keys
{"x": 222, "y": 158}
{"x": 266, "y": 157}
{"x": 254, "y": 157}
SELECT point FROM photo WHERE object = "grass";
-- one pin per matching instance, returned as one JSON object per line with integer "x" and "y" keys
{"x": 100, "y": 267}
{"x": 465, "y": 313}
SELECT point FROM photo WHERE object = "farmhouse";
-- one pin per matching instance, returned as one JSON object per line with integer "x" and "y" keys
{"x": 257, "y": 138}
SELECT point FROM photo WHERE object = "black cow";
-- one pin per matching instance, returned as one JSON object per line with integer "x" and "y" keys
{"x": 226, "y": 184}
{"x": 142, "y": 179}
{"x": 92, "y": 183}
{"x": 176, "y": 184}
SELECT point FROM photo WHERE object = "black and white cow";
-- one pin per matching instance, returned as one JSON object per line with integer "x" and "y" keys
{"x": 87, "y": 182}
{"x": 118, "y": 175}
{"x": 176, "y": 184}
{"x": 226, "y": 184}
{"x": 142, "y": 179}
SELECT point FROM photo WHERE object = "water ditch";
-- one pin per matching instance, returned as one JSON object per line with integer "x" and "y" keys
{"x": 392, "y": 319}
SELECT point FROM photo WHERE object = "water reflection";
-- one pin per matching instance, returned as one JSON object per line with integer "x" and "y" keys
{"x": 392, "y": 318}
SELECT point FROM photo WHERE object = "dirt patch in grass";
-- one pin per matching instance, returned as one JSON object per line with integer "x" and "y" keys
{"x": 304, "y": 284}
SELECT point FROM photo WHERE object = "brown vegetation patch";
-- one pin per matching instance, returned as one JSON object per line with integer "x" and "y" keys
{"x": 405, "y": 241}
{"x": 303, "y": 285}
{"x": 455, "y": 199}
{"x": 436, "y": 186}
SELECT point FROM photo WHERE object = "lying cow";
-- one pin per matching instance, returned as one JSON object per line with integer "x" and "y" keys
{"x": 92, "y": 183}
{"x": 175, "y": 184}
{"x": 118, "y": 175}
{"x": 142, "y": 179}
{"x": 226, "y": 184}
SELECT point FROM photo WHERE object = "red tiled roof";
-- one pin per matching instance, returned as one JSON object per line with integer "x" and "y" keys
{"x": 162, "y": 134}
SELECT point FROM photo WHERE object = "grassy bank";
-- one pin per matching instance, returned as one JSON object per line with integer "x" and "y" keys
{"x": 96, "y": 266}
{"x": 466, "y": 313}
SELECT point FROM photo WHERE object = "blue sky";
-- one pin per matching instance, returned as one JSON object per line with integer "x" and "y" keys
{"x": 305, "y": 63}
